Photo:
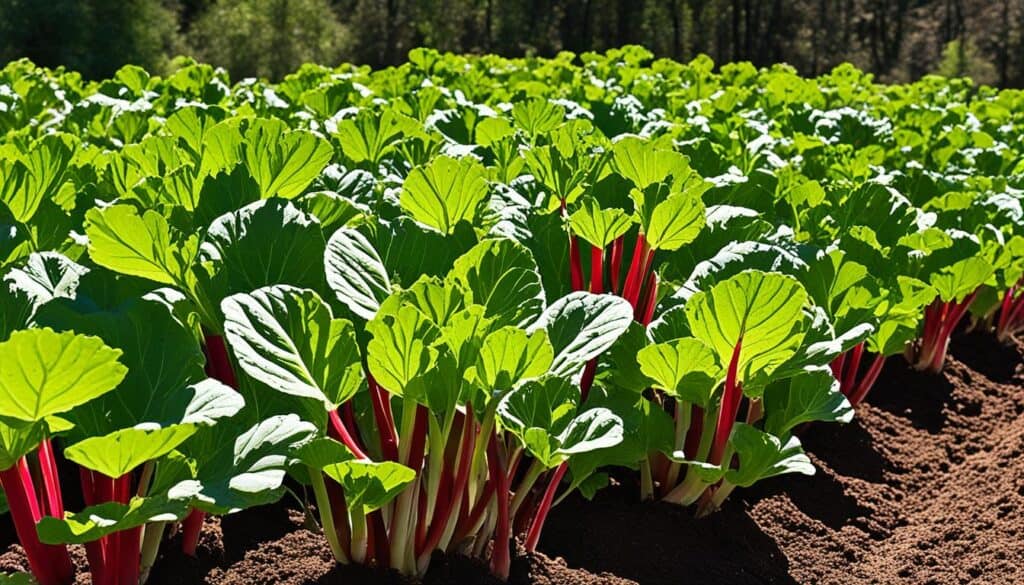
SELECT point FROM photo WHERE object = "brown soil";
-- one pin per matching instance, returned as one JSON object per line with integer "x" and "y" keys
{"x": 925, "y": 487}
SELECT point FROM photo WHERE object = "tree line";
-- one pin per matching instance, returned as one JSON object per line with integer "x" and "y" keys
{"x": 895, "y": 39}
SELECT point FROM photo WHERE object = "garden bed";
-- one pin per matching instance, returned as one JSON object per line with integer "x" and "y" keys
{"x": 923, "y": 487}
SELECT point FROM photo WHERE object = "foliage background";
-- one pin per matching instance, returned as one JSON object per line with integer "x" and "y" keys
{"x": 897, "y": 40}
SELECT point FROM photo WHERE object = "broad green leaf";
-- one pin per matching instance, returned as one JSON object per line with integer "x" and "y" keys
{"x": 242, "y": 470}
{"x": 287, "y": 339}
{"x": 35, "y": 176}
{"x": 137, "y": 245}
{"x": 509, "y": 356}
{"x": 955, "y": 282}
{"x": 502, "y": 276}
{"x": 283, "y": 162}
{"x": 676, "y": 221}
{"x": 98, "y": 521}
{"x": 581, "y": 326}
{"x": 811, "y": 396}
{"x": 370, "y": 484}
{"x": 17, "y": 439}
{"x": 369, "y": 136}
{"x": 537, "y": 116}
{"x": 356, "y": 273}
{"x": 762, "y": 310}
{"x": 599, "y": 227}
{"x": 645, "y": 165}
{"x": 45, "y": 373}
{"x": 445, "y": 192}
{"x": 399, "y": 352}
{"x": 122, "y": 451}
{"x": 763, "y": 455}
{"x": 685, "y": 368}
{"x": 265, "y": 243}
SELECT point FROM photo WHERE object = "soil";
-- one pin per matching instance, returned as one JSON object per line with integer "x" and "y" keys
{"x": 925, "y": 487}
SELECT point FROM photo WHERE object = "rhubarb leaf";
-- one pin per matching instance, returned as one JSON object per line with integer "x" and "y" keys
{"x": 400, "y": 350}
{"x": 582, "y": 326}
{"x": 599, "y": 227}
{"x": 444, "y": 192}
{"x": 686, "y": 369}
{"x": 45, "y": 373}
{"x": 122, "y": 451}
{"x": 286, "y": 338}
{"x": 137, "y": 245}
{"x": 283, "y": 162}
{"x": 761, "y": 311}
{"x": 95, "y": 522}
{"x": 763, "y": 455}
{"x": 808, "y": 397}
{"x": 502, "y": 276}
{"x": 356, "y": 273}
{"x": 509, "y": 356}
{"x": 676, "y": 221}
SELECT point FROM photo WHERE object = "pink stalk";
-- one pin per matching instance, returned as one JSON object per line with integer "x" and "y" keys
{"x": 837, "y": 366}
{"x": 634, "y": 277}
{"x": 851, "y": 369}
{"x": 338, "y": 431}
{"x": 473, "y": 514}
{"x": 650, "y": 301}
{"x": 596, "y": 270}
{"x": 1005, "y": 308}
{"x": 220, "y": 364}
{"x": 191, "y": 528}
{"x": 541, "y": 516}
{"x": 575, "y": 265}
{"x": 129, "y": 541}
{"x": 587, "y": 380}
{"x": 694, "y": 433}
{"x": 50, "y": 564}
{"x": 444, "y": 515}
{"x": 616, "y": 263}
{"x": 951, "y": 319}
{"x": 384, "y": 419}
{"x": 729, "y": 408}
{"x": 377, "y": 535}
{"x": 339, "y": 511}
{"x": 501, "y": 560}
{"x": 51, "y": 480}
{"x": 866, "y": 383}
{"x": 95, "y": 550}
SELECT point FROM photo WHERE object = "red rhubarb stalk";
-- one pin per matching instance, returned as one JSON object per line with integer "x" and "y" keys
{"x": 694, "y": 433}
{"x": 1005, "y": 308}
{"x": 533, "y": 536}
{"x": 445, "y": 514}
{"x": 634, "y": 277}
{"x": 616, "y": 263}
{"x": 51, "y": 480}
{"x": 575, "y": 265}
{"x": 596, "y": 270}
{"x": 858, "y": 395}
{"x": 851, "y": 369}
{"x": 729, "y": 408}
{"x": 190, "y": 528}
{"x": 50, "y": 564}
{"x": 501, "y": 560}
{"x": 95, "y": 550}
{"x": 651, "y": 299}
{"x": 384, "y": 419}
{"x": 587, "y": 379}
{"x": 338, "y": 431}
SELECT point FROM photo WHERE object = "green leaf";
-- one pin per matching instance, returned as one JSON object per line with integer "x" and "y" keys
{"x": 122, "y": 451}
{"x": 98, "y": 521}
{"x": 283, "y": 162}
{"x": 399, "y": 352}
{"x": 644, "y": 165}
{"x": 811, "y": 396}
{"x": 369, "y": 136}
{"x": 356, "y": 273}
{"x": 43, "y": 277}
{"x": 685, "y": 368}
{"x": 239, "y": 470}
{"x": 599, "y": 227}
{"x": 35, "y": 176}
{"x": 763, "y": 455}
{"x": 543, "y": 415}
{"x": 125, "y": 242}
{"x": 286, "y": 338}
{"x": 955, "y": 282}
{"x": 675, "y": 221}
{"x": 764, "y": 310}
{"x": 502, "y": 276}
{"x": 258, "y": 245}
{"x": 445, "y": 192}
{"x": 17, "y": 439}
{"x": 509, "y": 356}
{"x": 581, "y": 326}
{"x": 45, "y": 373}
